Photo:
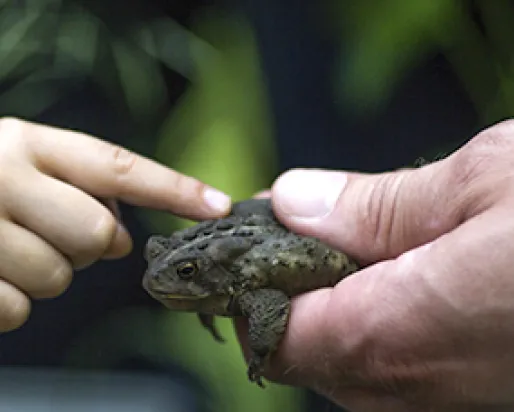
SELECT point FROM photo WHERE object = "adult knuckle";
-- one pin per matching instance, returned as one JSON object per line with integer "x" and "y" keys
{"x": 500, "y": 133}
{"x": 399, "y": 378}
{"x": 379, "y": 368}
{"x": 12, "y": 152}
{"x": 486, "y": 160}
{"x": 491, "y": 144}
{"x": 11, "y": 126}
{"x": 380, "y": 210}
{"x": 12, "y": 130}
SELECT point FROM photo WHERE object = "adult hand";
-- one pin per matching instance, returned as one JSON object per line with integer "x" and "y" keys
{"x": 429, "y": 324}
{"x": 51, "y": 220}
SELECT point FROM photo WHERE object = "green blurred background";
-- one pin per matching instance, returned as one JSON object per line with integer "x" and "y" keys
{"x": 233, "y": 93}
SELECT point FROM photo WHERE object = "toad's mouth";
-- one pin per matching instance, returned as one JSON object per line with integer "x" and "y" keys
{"x": 178, "y": 296}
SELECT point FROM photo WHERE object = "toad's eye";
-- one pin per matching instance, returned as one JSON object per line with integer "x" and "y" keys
{"x": 186, "y": 270}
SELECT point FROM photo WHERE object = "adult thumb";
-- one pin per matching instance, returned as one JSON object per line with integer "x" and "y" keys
{"x": 372, "y": 217}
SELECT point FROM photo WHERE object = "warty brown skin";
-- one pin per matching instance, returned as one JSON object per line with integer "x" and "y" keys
{"x": 246, "y": 264}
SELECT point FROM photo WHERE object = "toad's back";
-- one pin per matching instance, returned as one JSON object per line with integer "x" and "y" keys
{"x": 280, "y": 259}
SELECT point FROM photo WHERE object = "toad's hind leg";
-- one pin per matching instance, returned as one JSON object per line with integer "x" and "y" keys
{"x": 267, "y": 311}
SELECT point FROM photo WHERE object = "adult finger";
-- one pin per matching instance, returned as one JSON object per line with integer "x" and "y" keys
{"x": 74, "y": 223}
{"x": 31, "y": 264}
{"x": 378, "y": 216}
{"x": 106, "y": 170}
{"x": 371, "y": 217}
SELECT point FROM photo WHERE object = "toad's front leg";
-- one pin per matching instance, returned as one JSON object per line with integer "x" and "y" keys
{"x": 207, "y": 322}
{"x": 267, "y": 311}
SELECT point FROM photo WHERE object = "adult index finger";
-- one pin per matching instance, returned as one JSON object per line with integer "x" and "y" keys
{"x": 110, "y": 171}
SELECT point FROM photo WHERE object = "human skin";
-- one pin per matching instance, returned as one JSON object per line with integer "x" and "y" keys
{"x": 58, "y": 208}
{"x": 428, "y": 324}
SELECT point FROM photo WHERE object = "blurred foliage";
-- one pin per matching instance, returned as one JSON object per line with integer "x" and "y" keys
{"x": 220, "y": 131}
{"x": 385, "y": 41}
{"x": 222, "y": 368}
